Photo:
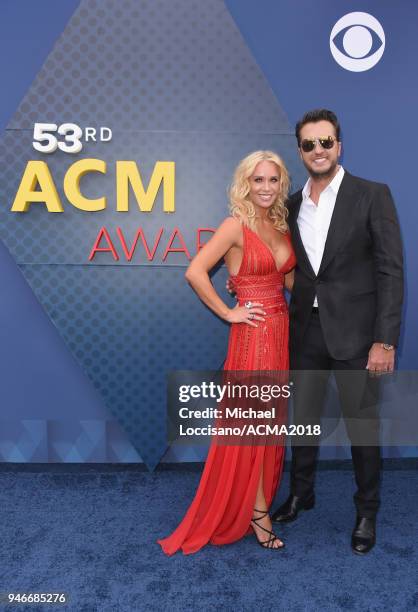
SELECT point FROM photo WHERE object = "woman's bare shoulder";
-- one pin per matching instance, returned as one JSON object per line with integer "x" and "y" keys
{"x": 231, "y": 225}
{"x": 232, "y": 228}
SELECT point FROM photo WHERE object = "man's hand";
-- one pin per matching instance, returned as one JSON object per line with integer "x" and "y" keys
{"x": 380, "y": 360}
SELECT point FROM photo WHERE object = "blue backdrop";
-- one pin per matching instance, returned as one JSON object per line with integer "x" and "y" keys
{"x": 86, "y": 346}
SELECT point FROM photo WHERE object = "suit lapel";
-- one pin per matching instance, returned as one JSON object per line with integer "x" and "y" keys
{"x": 340, "y": 220}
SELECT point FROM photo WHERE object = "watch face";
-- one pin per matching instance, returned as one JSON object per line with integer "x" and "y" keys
{"x": 387, "y": 347}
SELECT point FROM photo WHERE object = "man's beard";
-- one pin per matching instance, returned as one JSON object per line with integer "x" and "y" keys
{"x": 327, "y": 174}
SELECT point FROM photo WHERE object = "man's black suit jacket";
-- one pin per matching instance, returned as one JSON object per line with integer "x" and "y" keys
{"x": 360, "y": 281}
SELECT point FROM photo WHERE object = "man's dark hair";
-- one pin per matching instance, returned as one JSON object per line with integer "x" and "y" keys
{"x": 319, "y": 114}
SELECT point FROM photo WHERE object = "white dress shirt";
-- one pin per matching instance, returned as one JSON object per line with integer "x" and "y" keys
{"x": 314, "y": 220}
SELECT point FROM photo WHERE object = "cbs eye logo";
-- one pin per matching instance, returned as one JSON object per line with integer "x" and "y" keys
{"x": 357, "y": 41}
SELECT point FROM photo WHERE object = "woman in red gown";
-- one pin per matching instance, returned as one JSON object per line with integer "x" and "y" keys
{"x": 239, "y": 481}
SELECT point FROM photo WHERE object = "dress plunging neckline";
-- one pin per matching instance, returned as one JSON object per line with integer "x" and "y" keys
{"x": 271, "y": 252}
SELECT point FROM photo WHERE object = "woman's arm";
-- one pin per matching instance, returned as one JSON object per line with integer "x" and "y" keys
{"x": 226, "y": 236}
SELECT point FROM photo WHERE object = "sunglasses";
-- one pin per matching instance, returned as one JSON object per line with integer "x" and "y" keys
{"x": 308, "y": 144}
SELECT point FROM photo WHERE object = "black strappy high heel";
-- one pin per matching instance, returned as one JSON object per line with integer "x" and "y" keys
{"x": 272, "y": 536}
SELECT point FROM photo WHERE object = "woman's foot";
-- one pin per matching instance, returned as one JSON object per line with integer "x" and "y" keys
{"x": 261, "y": 523}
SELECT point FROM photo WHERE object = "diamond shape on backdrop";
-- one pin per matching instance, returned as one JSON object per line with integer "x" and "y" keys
{"x": 127, "y": 326}
{"x": 77, "y": 442}
{"x": 118, "y": 447}
{"x": 24, "y": 441}
{"x": 177, "y": 453}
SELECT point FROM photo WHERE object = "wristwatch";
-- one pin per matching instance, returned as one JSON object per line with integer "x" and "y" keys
{"x": 388, "y": 347}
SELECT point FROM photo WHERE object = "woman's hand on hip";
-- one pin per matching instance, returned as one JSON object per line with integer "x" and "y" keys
{"x": 245, "y": 314}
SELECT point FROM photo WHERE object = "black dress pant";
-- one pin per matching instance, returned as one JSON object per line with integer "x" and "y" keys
{"x": 358, "y": 395}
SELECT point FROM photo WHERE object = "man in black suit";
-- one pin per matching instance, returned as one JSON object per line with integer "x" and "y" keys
{"x": 345, "y": 312}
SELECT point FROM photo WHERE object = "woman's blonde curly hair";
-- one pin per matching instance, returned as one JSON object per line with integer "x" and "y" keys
{"x": 240, "y": 205}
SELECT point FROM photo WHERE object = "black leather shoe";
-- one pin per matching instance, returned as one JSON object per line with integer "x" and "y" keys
{"x": 364, "y": 535}
{"x": 288, "y": 512}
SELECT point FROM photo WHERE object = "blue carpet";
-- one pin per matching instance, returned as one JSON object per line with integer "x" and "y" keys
{"x": 92, "y": 534}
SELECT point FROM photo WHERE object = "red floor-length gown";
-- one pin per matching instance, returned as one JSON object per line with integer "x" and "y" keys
{"x": 223, "y": 505}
